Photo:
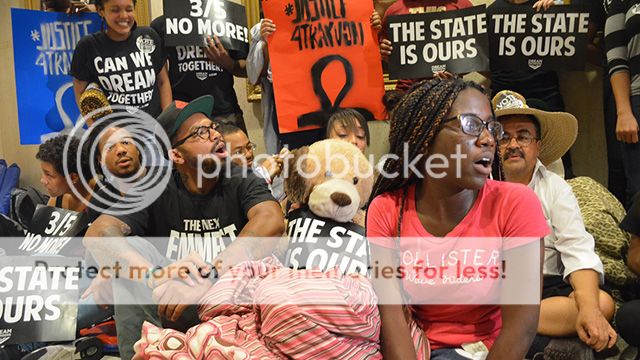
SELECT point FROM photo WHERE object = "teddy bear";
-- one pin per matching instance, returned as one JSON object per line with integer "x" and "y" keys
{"x": 332, "y": 177}
{"x": 329, "y": 182}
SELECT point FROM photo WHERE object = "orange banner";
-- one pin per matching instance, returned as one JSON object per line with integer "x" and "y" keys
{"x": 324, "y": 57}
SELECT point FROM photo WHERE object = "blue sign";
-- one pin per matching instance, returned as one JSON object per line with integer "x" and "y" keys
{"x": 43, "y": 45}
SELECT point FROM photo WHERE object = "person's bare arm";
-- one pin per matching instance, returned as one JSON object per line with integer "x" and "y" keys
{"x": 592, "y": 327}
{"x": 627, "y": 125}
{"x": 395, "y": 334}
{"x": 633, "y": 256}
{"x": 220, "y": 56}
{"x": 106, "y": 241}
{"x": 79, "y": 86}
{"x": 519, "y": 326}
{"x": 164, "y": 87}
{"x": 257, "y": 239}
{"x": 267, "y": 28}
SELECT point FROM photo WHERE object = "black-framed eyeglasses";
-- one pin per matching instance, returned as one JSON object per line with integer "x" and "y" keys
{"x": 249, "y": 147}
{"x": 523, "y": 140}
{"x": 473, "y": 125}
{"x": 203, "y": 132}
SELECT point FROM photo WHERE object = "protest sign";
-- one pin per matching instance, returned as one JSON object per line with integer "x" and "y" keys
{"x": 324, "y": 56}
{"x": 43, "y": 45}
{"x": 453, "y": 41}
{"x": 523, "y": 39}
{"x": 53, "y": 231}
{"x": 191, "y": 22}
{"x": 319, "y": 243}
{"x": 38, "y": 299}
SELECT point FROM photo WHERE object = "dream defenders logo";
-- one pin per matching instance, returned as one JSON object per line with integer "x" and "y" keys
{"x": 535, "y": 64}
{"x": 438, "y": 68}
{"x": 5, "y": 335}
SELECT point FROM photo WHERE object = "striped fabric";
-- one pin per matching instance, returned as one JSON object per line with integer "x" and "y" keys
{"x": 250, "y": 314}
{"x": 622, "y": 39}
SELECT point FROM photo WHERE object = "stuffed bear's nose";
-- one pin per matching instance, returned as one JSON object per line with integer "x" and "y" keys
{"x": 341, "y": 199}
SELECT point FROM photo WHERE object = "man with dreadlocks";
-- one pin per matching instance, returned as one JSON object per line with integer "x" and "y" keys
{"x": 572, "y": 302}
{"x": 425, "y": 213}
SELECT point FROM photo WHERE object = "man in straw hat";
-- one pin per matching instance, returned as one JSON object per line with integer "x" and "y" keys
{"x": 572, "y": 302}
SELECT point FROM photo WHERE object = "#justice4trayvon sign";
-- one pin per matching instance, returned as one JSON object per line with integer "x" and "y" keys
{"x": 523, "y": 39}
{"x": 190, "y": 22}
{"x": 43, "y": 46}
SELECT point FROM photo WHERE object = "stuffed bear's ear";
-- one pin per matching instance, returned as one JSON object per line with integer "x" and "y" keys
{"x": 295, "y": 185}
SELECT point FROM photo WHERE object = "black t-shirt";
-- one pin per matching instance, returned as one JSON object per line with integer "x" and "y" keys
{"x": 192, "y": 75}
{"x": 125, "y": 70}
{"x": 631, "y": 222}
{"x": 184, "y": 222}
{"x": 104, "y": 194}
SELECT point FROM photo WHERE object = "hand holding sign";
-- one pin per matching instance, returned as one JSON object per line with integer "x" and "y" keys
{"x": 376, "y": 21}
{"x": 386, "y": 48}
{"x": 218, "y": 54}
{"x": 543, "y": 4}
{"x": 267, "y": 28}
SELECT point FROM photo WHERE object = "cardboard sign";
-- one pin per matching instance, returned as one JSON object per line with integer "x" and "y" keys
{"x": 38, "y": 299}
{"x": 453, "y": 41}
{"x": 324, "y": 56}
{"x": 523, "y": 39}
{"x": 191, "y": 22}
{"x": 54, "y": 231}
{"x": 43, "y": 45}
{"x": 319, "y": 243}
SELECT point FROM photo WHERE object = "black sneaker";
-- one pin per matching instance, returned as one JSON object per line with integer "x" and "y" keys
{"x": 568, "y": 349}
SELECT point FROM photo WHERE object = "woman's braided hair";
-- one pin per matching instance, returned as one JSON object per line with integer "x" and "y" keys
{"x": 415, "y": 120}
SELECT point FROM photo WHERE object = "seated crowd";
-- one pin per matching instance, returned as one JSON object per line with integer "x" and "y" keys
{"x": 501, "y": 194}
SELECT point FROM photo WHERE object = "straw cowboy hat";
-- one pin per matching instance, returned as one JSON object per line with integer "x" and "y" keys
{"x": 558, "y": 130}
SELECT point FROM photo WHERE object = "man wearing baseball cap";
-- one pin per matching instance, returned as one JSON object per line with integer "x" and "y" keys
{"x": 572, "y": 302}
{"x": 204, "y": 216}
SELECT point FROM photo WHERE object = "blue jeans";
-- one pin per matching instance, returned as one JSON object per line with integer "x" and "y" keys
{"x": 447, "y": 354}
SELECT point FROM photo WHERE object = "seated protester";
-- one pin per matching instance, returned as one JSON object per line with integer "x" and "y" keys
{"x": 572, "y": 303}
{"x": 117, "y": 159}
{"x": 236, "y": 214}
{"x": 349, "y": 125}
{"x": 242, "y": 149}
{"x": 195, "y": 71}
{"x": 628, "y": 315}
{"x": 437, "y": 213}
{"x": 61, "y": 188}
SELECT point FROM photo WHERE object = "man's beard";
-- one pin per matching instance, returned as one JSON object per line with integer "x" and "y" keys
{"x": 208, "y": 165}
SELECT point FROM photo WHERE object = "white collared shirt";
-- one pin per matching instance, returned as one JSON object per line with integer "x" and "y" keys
{"x": 569, "y": 247}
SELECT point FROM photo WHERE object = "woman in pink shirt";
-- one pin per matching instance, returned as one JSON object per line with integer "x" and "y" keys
{"x": 430, "y": 214}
